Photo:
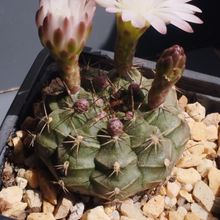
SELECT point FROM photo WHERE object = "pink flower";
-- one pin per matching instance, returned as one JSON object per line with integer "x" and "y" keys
{"x": 157, "y": 13}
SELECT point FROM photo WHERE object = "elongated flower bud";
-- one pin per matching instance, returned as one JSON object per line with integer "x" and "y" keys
{"x": 169, "y": 70}
{"x": 63, "y": 27}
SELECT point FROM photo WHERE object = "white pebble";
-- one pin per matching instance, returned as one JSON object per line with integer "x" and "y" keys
{"x": 21, "y": 182}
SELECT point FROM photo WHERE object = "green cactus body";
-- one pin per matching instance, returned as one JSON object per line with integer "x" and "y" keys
{"x": 138, "y": 153}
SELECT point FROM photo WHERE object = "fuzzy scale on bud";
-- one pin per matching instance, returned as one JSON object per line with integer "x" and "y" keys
{"x": 81, "y": 105}
{"x": 169, "y": 69}
{"x": 63, "y": 27}
{"x": 115, "y": 127}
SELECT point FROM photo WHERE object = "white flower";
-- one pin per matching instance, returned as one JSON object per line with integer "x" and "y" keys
{"x": 63, "y": 27}
{"x": 64, "y": 23}
{"x": 156, "y": 13}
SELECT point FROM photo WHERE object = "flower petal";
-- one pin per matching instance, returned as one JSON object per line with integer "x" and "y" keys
{"x": 127, "y": 15}
{"x": 138, "y": 22}
{"x": 189, "y": 17}
{"x": 113, "y": 10}
{"x": 181, "y": 24}
{"x": 106, "y": 3}
{"x": 66, "y": 17}
{"x": 157, "y": 23}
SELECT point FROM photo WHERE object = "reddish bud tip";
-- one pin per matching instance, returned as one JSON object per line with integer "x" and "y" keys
{"x": 134, "y": 88}
{"x": 115, "y": 127}
{"x": 171, "y": 63}
{"x": 81, "y": 105}
{"x": 100, "y": 82}
{"x": 129, "y": 115}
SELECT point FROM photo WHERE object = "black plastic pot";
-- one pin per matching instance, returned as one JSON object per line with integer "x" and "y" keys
{"x": 196, "y": 86}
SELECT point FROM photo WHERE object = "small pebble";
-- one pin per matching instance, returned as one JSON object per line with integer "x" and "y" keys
{"x": 11, "y": 194}
{"x": 212, "y": 133}
{"x": 198, "y": 131}
{"x": 154, "y": 207}
{"x": 115, "y": 215}
{"x": 186, "y": 195}
{"x": 199, "y": 211}
{"x": 189, "y": 175}
{"x": 170, "y": 202}
{"x": 63, "y": 208}
{"x": 48, "y": 207}
{"x": 97, "y": 213}
{"x": 21, "y": 172}
{"x": 21, "y": 182}
{"x": 212, "y": 119}
{"x": 188, "y": 187}
{"x": 181, "y": 212}
{"x": 196, "y": 111}
{"x": 204, "y": 194}
{"x": 127, "y": 218}
{"x": 41, "y": 216}
{"x": 214, "y": 180}
{"x": 109, "y": 209}
{"x": 33, "y": 199}
{"x": 16, "y": 211}
{"x": 173, "y": 188}
{"x": 128, "y": 209}
{"x": 190, "y": 160}
{"x": 209, "y": 147}
{"x": 204, "y": 167}
{"x": 191, "y": 216}
{"x": 174, "y": 215}
{"x": 195, "y": 147}
{"x": 181, "y": 201}
{"x": 76, "y": 211}
{"x": 187, "y": 206}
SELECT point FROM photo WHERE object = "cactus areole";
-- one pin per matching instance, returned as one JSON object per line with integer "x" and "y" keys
{"x": 118, "y": 133}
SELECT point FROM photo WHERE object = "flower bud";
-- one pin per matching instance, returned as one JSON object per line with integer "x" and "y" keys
{"x": 171, "y": 63}
{"x": 100, "y": 82}
{"x": 81, "y": 105}
{"x": 169, "y": 70}
{"x": 115, "y": 127}
{"x": 64, "y": 25}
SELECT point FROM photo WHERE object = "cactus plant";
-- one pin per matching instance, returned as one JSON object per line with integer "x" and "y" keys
{"x": 119, "y": 134}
